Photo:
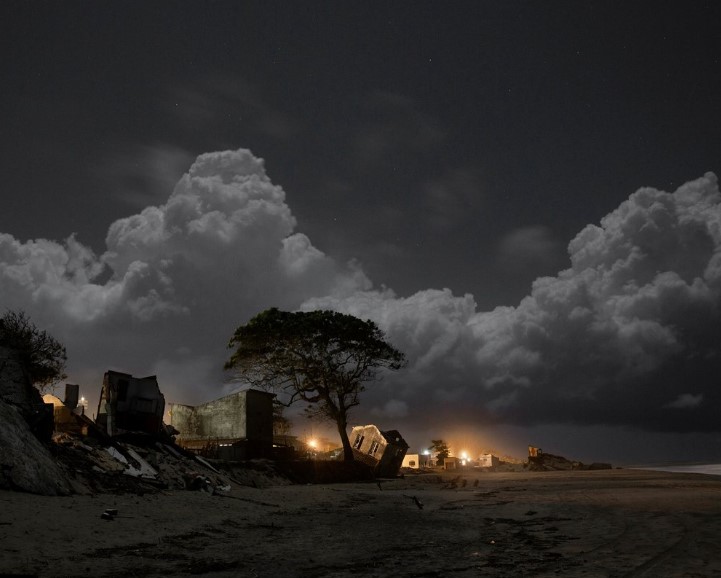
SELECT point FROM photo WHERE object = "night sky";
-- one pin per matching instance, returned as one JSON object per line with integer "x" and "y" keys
{"x": 521, "y": 194}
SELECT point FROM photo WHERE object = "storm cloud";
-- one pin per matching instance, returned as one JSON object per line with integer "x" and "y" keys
{"x": 176, "y": 279}
{"x": 628, "y": 334}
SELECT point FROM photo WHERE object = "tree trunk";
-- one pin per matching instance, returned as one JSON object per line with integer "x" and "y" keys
{"x": 347, "y": 450}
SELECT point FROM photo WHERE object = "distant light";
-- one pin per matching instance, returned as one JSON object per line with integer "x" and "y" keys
{"x": 313, "y": 443}
{"x": 464, "y": 456}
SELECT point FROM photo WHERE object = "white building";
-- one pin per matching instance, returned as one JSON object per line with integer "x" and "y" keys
{"x": 488, "y": 461}
{"x": 411, "y": 461}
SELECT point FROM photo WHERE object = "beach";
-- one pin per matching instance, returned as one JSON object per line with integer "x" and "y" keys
{"x": 572, "y": 523}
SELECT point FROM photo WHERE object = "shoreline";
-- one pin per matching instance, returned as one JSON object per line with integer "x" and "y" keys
{"x": 626, "y": 522}
{"x": 710, "y": 469}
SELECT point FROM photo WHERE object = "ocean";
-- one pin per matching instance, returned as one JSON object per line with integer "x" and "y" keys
{"x": 713, "y": 469}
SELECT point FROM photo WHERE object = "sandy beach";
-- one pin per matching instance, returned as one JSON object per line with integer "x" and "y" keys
{"x": 588, "y": 523}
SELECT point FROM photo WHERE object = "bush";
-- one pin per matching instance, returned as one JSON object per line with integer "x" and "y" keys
{"x": 41, "y": 355}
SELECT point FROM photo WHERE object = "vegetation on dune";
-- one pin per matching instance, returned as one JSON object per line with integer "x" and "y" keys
{"x": 40, "y": 354}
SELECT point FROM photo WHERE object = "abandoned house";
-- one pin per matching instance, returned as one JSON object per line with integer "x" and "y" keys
{"x": 451, "y": 463}
{"x": 238, "y": 426}
{"x": 66, "y": 411}
{"x": 488, "y": 461}
{"x": 128, "y": 403}
{"x": 384, "y": 450}
{"x": 412, "y": 461}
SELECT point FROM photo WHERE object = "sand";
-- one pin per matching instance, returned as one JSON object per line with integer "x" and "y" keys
{"x": 592, "y": 523}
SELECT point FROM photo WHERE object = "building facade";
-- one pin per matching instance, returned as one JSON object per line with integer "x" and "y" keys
{"x": 488, "y": 461}
{"x": 237, "y": 426}
{"x": 411, "y": 461}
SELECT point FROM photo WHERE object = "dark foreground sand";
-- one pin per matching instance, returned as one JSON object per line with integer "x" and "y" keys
{"x": 596, "y": 523}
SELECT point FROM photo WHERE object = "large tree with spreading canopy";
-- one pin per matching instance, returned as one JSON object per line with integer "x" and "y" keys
{"x": 321, "y": 357}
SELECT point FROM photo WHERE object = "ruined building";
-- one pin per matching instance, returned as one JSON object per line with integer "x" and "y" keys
{"x": 129, "y": 403}
{"x": 238, "y": 426}
{"x": 383, "y": 450}
{"x": 66, "y": 411}
{"x": 488, "y": 461}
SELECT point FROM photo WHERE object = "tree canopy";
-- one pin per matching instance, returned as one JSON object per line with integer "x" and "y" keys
{"x": 440, "y": 448}
{"x": 41, "y": 355}
{"x": 321, "y": 357}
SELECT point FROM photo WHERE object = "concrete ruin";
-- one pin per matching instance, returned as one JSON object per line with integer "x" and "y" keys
{"x": 451, "y": 463}
{"x": 128, "y": 404}
{"x": 488, "y": 461}
{"x": 67, "y": 410}
{"x": 382, "y": 450}
{"x": 238, "y": 426}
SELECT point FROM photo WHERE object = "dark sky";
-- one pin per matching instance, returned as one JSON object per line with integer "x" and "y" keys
{"x": 518, "y": 114}
{"x": 438, "y": 145}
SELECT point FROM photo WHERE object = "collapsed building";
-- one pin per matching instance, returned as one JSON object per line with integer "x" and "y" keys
{"x": 382, "y": 450}
{"x": 128, "y": 403}
{"x": 66, "y": 412}
{"x": 238, "y": 426}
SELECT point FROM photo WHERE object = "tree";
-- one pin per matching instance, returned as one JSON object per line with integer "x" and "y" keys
{"x": 41, "y": 355}
{"x": 320, "y": 357}
{"x": 440, "y": 448}
{"x": 281, "y": 424}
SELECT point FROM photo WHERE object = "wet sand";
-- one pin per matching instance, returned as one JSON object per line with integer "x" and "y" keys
{"x": 593, "y": 523}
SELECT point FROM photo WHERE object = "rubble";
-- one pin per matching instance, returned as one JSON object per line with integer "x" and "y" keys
{"x": 140, "y": 466}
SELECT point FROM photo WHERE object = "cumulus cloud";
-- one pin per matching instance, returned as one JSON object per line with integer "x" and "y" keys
{"x": 175, "y": 278}
{"x": 619, "y": 337}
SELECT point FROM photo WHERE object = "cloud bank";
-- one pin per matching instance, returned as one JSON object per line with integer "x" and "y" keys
{"x": 628, "y": 334}
{"x": 176, "y": 279}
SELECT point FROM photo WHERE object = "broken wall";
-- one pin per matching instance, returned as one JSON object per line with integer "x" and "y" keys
{"x": 130, "y": 404}
{"x": 242, "y": 415}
